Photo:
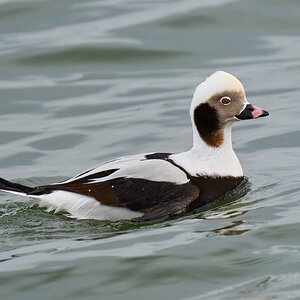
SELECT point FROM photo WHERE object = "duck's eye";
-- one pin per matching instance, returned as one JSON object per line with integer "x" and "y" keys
{"x": 225, "y": 100}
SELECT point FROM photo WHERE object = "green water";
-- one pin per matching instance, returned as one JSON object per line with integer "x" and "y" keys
{"x": 82, "y": 82}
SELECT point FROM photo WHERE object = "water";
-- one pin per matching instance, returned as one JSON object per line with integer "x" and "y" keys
{"x": 82, "y": 82}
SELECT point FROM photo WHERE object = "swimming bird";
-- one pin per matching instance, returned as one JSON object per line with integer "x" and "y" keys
{"x": 156, "y": 185}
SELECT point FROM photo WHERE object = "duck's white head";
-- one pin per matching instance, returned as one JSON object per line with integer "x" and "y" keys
{"x": 218, "y": 102}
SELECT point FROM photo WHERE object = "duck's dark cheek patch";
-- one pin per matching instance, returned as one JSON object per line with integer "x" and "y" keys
{"x": 208, "y": 125}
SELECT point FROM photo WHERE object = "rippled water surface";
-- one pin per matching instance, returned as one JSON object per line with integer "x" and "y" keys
{"x": 82, "y": 82}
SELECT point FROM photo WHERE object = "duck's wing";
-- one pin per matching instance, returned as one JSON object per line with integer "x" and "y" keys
{"x": 149, "y": 185}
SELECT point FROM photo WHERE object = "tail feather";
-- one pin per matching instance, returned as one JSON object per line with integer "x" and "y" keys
{"x": 16, "y": 188}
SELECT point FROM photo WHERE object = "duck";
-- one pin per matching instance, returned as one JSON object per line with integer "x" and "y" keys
{"x": 158, "y": 185}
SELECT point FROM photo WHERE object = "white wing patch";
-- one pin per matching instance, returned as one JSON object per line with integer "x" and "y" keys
{"x": 137, "y": 166}
{"x": 84, "y": 207}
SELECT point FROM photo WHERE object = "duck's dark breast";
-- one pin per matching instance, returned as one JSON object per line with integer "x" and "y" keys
{"x": 211, "y": 188}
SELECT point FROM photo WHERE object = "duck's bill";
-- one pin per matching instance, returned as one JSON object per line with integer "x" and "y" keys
{"x": 252, "y": 112}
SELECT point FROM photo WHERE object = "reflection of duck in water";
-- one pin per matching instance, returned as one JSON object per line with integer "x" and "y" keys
{"x": 155, "y": 185}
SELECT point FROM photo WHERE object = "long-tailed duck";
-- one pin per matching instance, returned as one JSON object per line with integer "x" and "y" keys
{"x": 155, "y": 185}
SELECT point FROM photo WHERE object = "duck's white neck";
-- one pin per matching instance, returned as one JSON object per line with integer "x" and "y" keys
{"x": 200, "y": 145}
{"x": 203, "y": 159}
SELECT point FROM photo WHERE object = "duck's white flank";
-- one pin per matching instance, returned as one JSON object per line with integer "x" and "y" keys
{"x": 83, "y": 207}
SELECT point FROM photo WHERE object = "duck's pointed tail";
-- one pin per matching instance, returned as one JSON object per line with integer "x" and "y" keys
{"x": 15, "y": 188}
